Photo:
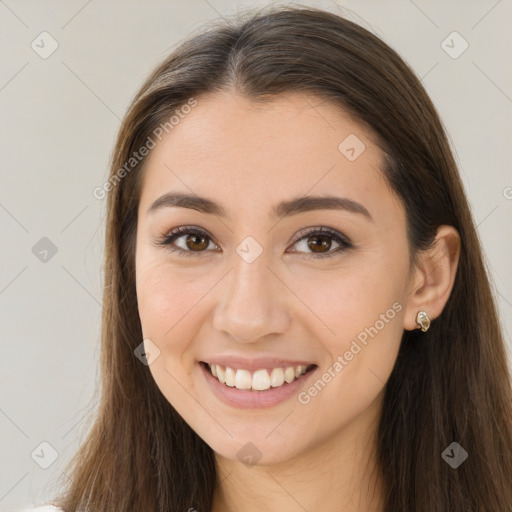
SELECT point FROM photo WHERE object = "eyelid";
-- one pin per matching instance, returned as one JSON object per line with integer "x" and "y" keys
{"x": 320, "y": 229}
{"x": 178, "y": 232}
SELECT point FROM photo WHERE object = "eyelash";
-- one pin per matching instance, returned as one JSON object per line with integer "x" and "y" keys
{"x": 305, "y": 233}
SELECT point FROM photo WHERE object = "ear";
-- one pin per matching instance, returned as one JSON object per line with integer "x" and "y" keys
{"x": 433, "y": 276}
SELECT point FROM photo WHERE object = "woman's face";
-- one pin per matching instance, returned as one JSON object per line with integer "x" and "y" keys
{"x": 249, "y": 289}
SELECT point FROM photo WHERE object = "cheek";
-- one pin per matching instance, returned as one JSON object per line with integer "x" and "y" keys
{"x": 169, "y": 306}
{"x": 348, "y": 299}
{"x": 367, "y": 325}
{"x": 358, "y": 316}
{"x": 155, "y": 298}
{"x": 169, "y": 303}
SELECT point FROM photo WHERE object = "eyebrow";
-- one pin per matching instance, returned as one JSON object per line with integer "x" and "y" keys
{"x": 282, "y": 209}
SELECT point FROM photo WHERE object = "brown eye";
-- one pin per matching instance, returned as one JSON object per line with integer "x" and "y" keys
{"x": 195, "y": 241}
{"x": 319, "y": 242}
{"x": 316, "y": 242}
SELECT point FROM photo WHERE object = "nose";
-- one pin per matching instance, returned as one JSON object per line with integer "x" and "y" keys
{"x": 252, "y": 302}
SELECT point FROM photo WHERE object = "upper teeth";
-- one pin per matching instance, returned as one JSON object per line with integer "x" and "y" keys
{"x": 259, "y": 380}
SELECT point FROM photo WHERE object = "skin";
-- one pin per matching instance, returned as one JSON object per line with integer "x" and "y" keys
{"x": 248, "y": 157}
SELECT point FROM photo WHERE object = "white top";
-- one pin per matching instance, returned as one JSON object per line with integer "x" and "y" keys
{"x": 42, "y": 508}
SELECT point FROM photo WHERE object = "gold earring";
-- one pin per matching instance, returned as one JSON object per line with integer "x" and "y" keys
{"x": 423, "y": 320}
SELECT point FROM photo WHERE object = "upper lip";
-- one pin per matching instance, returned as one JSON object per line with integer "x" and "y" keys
{"x": 253, "y": 364}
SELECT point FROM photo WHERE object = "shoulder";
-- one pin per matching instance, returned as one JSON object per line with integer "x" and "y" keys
{"x": 43, "y": 508}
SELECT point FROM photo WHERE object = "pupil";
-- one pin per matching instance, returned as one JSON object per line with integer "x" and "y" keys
{"x": 195, "y": 238}
{"x": 323, "y": 243}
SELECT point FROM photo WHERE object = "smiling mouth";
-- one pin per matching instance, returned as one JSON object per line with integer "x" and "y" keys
{"x": 258, "y": 380}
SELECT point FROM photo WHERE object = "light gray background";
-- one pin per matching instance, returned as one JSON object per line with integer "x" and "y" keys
{"x": 59, "y": 118}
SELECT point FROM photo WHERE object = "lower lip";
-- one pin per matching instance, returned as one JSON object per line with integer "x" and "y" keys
{"x": 251, "y": 399}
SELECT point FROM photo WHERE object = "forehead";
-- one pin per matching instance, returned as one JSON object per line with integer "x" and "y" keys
{"x": 246, "y": 154}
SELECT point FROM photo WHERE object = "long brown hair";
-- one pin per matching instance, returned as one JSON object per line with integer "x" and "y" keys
{"x": 451, "y": 384}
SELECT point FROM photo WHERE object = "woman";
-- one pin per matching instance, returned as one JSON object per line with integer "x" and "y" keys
{"x": 297, "y": 315}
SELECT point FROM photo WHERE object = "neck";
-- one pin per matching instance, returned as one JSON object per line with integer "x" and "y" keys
{"x": 340, "y": 473}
